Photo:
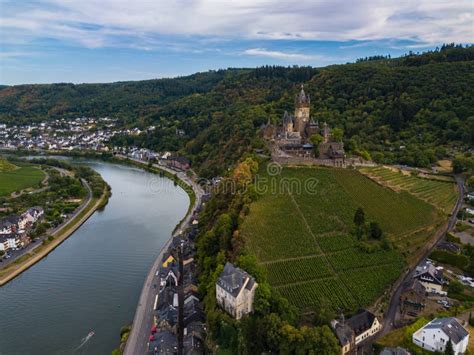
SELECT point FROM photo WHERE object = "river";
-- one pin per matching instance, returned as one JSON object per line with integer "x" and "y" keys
{"x": 93, "y": 280}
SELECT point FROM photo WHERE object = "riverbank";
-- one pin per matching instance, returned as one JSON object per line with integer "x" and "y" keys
{"x": 28, "y": 260}
{"x": 143, "y": 315}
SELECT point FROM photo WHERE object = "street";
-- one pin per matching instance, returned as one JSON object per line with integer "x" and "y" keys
{"x": 389, "y": 319}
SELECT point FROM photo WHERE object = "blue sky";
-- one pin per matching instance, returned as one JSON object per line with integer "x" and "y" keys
{"x": 46, "y": 41}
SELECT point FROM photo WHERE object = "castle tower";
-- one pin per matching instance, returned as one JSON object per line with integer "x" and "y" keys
{"x": 301, "y": 111}
{"x": 287, "y": 123}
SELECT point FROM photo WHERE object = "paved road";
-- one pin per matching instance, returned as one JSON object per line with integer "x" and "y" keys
{"x": 389, "y": 319}
{"x": 32, "y": 246}
{"x": 143, "y": 321}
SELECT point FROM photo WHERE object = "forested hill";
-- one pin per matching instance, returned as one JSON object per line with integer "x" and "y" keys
{"x": 407, "y": 110}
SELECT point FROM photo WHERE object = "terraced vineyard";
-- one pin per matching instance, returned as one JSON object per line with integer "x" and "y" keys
{"x": 302, "y": 236}
{"x": 438, "y": 191}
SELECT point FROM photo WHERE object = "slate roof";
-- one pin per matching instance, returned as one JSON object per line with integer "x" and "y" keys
{"x": 232, "y": 279}
{"x": 287, "y": 118}
{"x": 165, "y": 343}
{"x": 449, "y": 247}
{"x": 395, "y": 351}
{"x": 302, "y": 98}
{"x": 430, "y": 269}
{"x": 344, "y": 334}
{"x": 450, "y": 326}
{"x": 416, "y": 286}
{"x": 361, "y": 322}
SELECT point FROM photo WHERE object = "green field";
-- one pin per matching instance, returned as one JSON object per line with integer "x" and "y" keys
{"x": 20, "y": 178}
{"x": 432, "y": 189}
{"x": 302, "y": 237}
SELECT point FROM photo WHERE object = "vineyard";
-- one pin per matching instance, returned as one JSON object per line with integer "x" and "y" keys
{"x": 302, "y": 236}
{"x": 15, "y": 179}
{"x": 439, "y": 191}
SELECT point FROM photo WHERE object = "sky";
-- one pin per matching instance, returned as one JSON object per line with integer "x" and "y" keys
{"x": 46, "y": 41}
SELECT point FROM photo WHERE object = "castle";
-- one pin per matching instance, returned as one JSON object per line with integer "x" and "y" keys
{"x": 293, "y": 135}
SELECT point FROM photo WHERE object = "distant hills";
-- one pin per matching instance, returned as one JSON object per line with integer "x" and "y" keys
{"x": 410, "y": 110}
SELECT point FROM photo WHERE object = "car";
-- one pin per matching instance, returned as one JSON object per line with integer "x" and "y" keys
{"x": 471, "y": 221}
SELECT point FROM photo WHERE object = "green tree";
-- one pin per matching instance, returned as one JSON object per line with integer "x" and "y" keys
{"x": 455, "y": 287}
{"x": 316, "y": 140}
{"x": 375, "y": 231}
{"x": 359, "y": 217}
{"x": 449, "y": 348}
{"x": 337, "y": 134}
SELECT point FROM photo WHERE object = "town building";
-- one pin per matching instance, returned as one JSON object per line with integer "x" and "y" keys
{"x": 356, "y": 329}
{"x": 435, "y": 335}
{"x": 395, "y": 351}
{"x": 412, "y": 298}
{"x": 235, "y": 291}
{"x": 430, "y": 277}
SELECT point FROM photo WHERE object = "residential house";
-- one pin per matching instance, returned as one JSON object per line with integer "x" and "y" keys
{"x": 412, "y": 298}
{"x": 395, "y": 351}
{"x": 9, "y": 225}
{"x": 430, "y": 277}
{"x": 178, "y": 162}
{"x": 235, "y": 291}
{"x": 9, "y": 241}
{"x": 163, "y": 342}
{"x": 450, "y": 247}
{"x": 356, "y": 329}
{"x": 435, "y": 335}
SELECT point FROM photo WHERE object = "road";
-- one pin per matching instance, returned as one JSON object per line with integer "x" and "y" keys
{"x": 389, "y": 319}
{"x": 32, "y": 246}
{"x": 143, "y": 320}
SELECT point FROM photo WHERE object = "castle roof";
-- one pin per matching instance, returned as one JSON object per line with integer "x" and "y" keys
{"x": 287, "y": 118}
{"x": 302, "y": 99}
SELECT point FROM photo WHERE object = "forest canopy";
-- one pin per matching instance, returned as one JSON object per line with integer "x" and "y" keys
{"x": 410, "y": 110}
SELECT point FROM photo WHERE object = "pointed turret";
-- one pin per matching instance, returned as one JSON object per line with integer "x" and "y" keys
{"x": 302, "y": 100}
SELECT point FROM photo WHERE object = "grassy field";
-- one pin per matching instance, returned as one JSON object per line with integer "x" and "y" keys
{"x": 18, "y": 178}
{"x": 5, "y": 165}
{"x": 439, "y": 191}
{"x": 302, "y": 235}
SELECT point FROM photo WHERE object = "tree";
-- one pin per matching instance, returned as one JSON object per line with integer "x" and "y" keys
{"x": 324, "y": 313}
{"x": 337, "y": 134}
{"x": 375, "y": 230}
{"x": 455, "y": 287}
{"x": 316, "y": 140}
{"x": 359, "y": 217}
{"x": 449, "y": 348}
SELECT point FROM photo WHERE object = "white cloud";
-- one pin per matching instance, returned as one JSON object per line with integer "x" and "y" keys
{"x": 14, "y": 54}
{"x": 262, "y": 52}
{"x": 96, "y": 23}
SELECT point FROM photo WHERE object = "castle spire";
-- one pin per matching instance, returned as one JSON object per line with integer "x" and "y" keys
{"x": 302, "y": 99}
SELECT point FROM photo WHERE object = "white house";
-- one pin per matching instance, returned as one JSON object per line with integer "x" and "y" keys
{"x": 235, "y": 291}
{"x": 431, "y": 278}
{"x": 435, "y": 335}
{"x": 8, "y": 242}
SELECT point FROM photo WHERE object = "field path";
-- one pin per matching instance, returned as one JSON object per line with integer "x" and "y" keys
{"x": 294, "y": 258}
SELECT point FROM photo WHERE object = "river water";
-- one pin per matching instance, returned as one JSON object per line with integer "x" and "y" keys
{"x": 92, "y": 281}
